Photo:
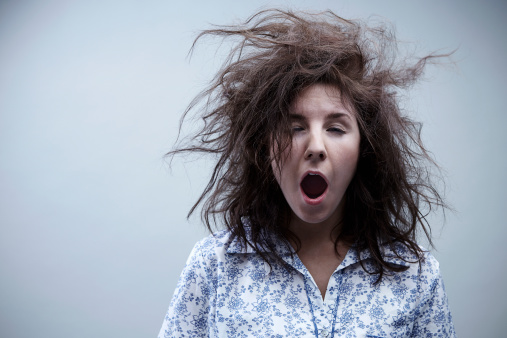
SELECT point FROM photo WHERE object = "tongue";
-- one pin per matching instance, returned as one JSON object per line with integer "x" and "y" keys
{"x": 313, "y": 186}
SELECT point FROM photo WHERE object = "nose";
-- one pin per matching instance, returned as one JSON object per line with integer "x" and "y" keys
{"x": 315, "y": 149}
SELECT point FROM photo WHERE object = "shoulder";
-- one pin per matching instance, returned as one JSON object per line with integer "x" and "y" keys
{"x": 400, "y": 254}
{"x": 201, "y": 266}
{"x": 430, "y": 265}
{"x": 214, "y": 245}
{"x": 429, "y": 276}
{"x": 421, "y": 279}
{"x": 421, "y": 271}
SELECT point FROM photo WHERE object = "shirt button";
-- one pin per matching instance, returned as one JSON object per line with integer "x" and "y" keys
{"x": 324, "y": 333}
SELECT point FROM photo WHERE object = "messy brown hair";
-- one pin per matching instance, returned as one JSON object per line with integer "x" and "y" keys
{"x": 245, "y": 112}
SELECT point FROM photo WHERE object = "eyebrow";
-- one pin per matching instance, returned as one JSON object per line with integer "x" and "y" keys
{"x": 332, "y": 116}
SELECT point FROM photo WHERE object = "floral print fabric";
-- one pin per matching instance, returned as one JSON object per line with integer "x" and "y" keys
{"x": 226, "y": 290}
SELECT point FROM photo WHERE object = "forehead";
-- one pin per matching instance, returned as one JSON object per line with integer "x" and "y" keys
{"x": 321, "y": 99}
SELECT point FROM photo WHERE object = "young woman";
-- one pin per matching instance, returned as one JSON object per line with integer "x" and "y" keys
{"x": 321, "y": 183}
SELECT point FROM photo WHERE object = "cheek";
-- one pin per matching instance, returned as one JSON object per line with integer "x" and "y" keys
{"x": 351, "y": 147}
{"x": 282, "y": 167}
{"x": 352, "y": 153}
{"x": 347, "y": 156}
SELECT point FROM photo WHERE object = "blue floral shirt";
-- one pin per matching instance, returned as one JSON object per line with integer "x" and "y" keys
{"x": 227, "y": 290}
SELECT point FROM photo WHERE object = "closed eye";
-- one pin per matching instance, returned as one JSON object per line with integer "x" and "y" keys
{"x": 336, "y": 130}
{"x": 297, "y": 128}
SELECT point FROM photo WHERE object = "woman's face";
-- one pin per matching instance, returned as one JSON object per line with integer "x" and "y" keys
{"x": 322, "y": 161}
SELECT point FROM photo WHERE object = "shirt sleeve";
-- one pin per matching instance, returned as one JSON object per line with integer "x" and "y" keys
{"x": 433, "y": 316}
{"x": 189, "y": 308}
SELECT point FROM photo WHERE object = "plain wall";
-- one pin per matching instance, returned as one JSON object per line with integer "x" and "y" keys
{"x": 93, "y": 228}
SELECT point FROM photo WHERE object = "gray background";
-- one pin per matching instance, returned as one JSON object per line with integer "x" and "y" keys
{"x": 93, "y": 233}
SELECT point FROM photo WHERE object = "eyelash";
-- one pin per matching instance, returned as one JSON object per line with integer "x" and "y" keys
{"x": 332, "y": 129}
{"x": 336, "y": 129}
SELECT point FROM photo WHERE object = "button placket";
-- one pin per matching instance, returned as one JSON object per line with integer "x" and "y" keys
{"x": 332, "y": 301}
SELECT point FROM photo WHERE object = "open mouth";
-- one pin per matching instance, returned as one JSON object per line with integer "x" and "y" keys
{"x": 313, "y": 185}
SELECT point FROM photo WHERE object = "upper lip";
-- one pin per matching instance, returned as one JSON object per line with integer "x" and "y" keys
{"x": 315, "y": 172}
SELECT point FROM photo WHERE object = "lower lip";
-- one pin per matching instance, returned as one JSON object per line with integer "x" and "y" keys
{"x": 313, "y": 201}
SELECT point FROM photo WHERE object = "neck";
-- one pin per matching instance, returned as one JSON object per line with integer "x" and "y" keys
{"x": 317, "y": 234}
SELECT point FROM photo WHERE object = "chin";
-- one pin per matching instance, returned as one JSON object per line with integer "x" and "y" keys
{"x": 323, "y": 213}
{"x": 313, "y": 218}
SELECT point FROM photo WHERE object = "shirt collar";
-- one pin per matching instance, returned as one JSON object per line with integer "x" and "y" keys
{"x": 390, "y": 256}
{"x": 236, "y": 246}
{"x": 399, "y": 256}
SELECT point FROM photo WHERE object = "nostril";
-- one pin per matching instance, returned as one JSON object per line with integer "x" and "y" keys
{"x": 321, "y": 154}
